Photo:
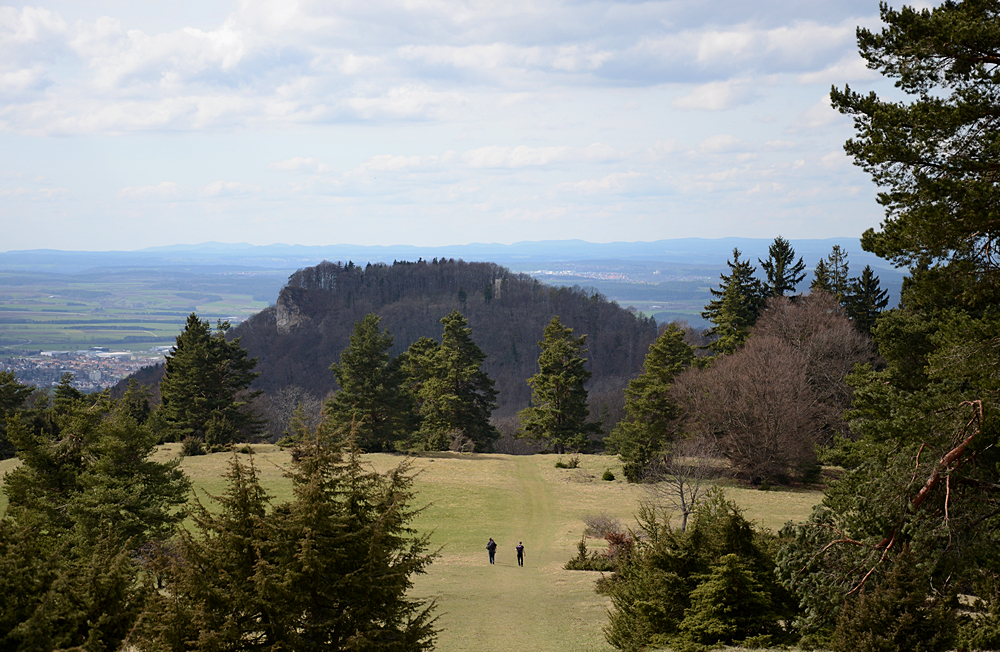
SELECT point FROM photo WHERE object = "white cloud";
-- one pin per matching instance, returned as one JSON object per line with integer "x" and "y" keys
{"x": 163, "y": 190}
{"x": 851, "y": 68}
{"x": 717, "y": 96}
{"x": 301, "y": 164}
{"x": 610, "y": 183}
{"x": 388, "y": 163}
{"x": 524, "y": 156}
{"x": 720, "y": 143}
{"x": 819, "y": 115}
{"x": 225, "y": 188}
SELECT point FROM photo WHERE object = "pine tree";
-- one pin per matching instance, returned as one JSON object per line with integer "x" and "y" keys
{"x": 729, "y": 605}
{"x": 456, "y": 397}
{"x": 328, "y": 570}
{"x": 372, "y": 398}
{"x": 783, "y": 273}
{"x": 205, "y": 388}
{"x": 558, "y": 413}
{"x": 737, "y": 302}
{"x": 821, "y": 278}
{"x": 838, "y": 270}
{"x": 651, "y": 412}
{"x": 865, "y": 300}
{"x": 13, "y": 394}
{"x": 82, "y": 505}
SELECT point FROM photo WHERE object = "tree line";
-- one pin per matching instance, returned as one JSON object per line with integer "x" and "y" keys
{"x": 95, "y": 553}
{"x": 296, "y": 340}
{"x": 902, "y": 553}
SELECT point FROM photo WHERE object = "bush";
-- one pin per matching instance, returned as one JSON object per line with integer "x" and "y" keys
{"x": 608, "y": 475}
{"x": 246, "y": 449}
{"x": 589, "y": 561}
{"x": 574, "y": 462}
{"x": 600, "y": 525}
{"x": 192, "y": 446}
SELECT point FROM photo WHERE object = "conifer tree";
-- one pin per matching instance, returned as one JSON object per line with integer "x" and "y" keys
{"x": 651, "y": 411}
{"x": 821, "y": 277}
{"x": 558, "y": 413}
{"x": 783, "y": 273}
{"x": 81, "y": 506}
{"x": 455, "y": 395}
{"x": 838, "y": 270}
{"x": 865, "y": 300}
{"x": 737, "y": 302}
{"x": 373, "y": 398}
{"x": 13, "y": 394}
{"x": 330, "y": 569}
{"x": 205, "y": 388}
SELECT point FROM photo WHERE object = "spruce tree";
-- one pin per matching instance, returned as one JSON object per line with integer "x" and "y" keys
{"x": 865, "y": 300}
{"x": 205, "y": 388}
{"x": 838, "y": 269}
{"x": 557, "y": 416}
{"x": 783, "y": 273}
{"x": 736, "y": 305}
{"x": 650, "y": 425}
{"x": 456, "y": 397}
{"x": 13, "y": 395}
{"x": 82, "y": 505}
{"x": 821, "y": 278}
{"x": 373, "y": 398}
{"x": 328, "y": 570}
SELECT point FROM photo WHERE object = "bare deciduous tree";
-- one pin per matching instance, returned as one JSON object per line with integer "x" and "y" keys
{"x": 817, "y": 327}
{"x": 278, "y": 408}
{"x": 679, "y": 479}
{"x": 757, "y": 406}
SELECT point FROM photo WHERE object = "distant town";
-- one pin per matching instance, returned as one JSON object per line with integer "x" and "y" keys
{"x": 94, "y": 369}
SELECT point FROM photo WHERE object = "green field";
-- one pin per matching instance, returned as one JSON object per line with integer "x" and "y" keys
{"x": 131, "y": 309}
{"x": 470, "y": 498}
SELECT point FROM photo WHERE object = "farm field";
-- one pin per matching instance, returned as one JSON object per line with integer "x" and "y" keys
{"x": 469, "y": 498}
{"x": 132, "y": 309}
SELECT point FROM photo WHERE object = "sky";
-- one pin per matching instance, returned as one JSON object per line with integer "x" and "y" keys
{"x": 127, "y": 124}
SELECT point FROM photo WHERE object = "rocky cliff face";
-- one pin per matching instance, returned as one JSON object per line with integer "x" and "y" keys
{"x": 288, "y": 314}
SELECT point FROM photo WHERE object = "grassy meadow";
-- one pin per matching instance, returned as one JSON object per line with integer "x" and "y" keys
{"x": 466, "y": 499}
{"x": 469, "y": 498}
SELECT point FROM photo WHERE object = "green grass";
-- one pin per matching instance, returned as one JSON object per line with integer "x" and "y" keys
{"x": 469, "y": 498}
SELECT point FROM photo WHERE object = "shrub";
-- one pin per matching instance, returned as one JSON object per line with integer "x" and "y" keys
{"x": 589, "y": 561}
{"x": 572, "y": 463}
{"x": 246, "y": 449}
{"x": 608, "y": 475}
{"x": 192, "y": 446}
{"x": 600, "y": 525}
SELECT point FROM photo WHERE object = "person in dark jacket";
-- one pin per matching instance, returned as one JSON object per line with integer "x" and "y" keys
{"x": 492, "y": 548}
{"x": 520, "y": 553}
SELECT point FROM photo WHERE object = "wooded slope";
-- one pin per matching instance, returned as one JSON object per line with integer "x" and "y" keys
{"x": 297, "y": 339}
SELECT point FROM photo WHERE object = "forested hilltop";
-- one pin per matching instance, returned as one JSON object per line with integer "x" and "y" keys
{"x": 296, "y": 340}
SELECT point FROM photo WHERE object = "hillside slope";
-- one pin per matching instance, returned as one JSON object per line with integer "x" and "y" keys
{"x": 298, "y": 338}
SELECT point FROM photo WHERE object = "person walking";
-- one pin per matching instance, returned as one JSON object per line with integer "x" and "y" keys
{"x": 520, "y": 553}
{"x": 492, "y": 548}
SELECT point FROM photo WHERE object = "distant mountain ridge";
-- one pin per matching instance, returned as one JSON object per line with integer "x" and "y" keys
{"x": 696, "y": 251}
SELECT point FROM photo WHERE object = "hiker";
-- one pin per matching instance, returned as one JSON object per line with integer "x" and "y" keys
{"x": 492, "y": 547}
{"x": 520, "y": 553}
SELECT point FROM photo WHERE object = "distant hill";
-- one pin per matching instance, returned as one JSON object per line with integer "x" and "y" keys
{"x": 298, "y": 338}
